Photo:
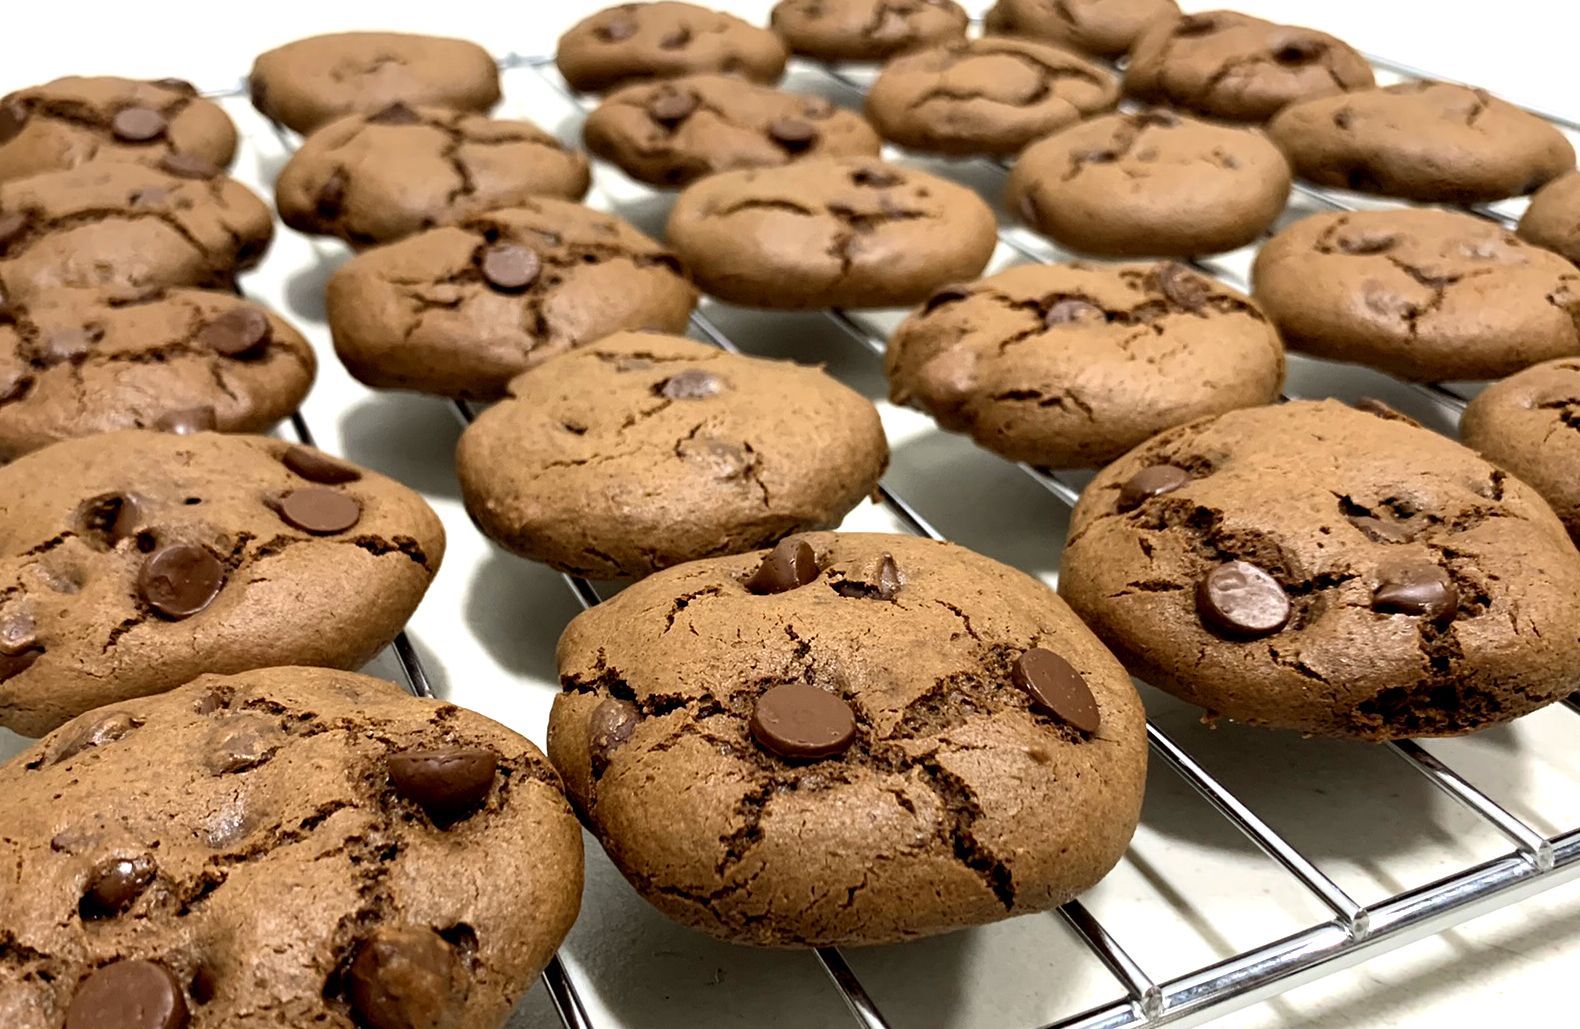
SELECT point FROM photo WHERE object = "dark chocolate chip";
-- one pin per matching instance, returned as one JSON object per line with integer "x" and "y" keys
{"x": 404, "y": 979}
{"x": 96, "y": 731}
{"x": 331, "y": 196}
{"x": 70, "y": 344}
{"x": 1298, "y": 51}
{"x": 138, "y": 124}
{"x": 691, "y": 384}
{"x": 317, "y": 466}
{"x": 1379, "y": 530}
{"x": 950, "y": 294}
{"x": 677, "y": 39}
{"x": 790, "y": 564}
{"x": 802, "y": 723}
{"x": 1055, "y": 687}
{"x": 238, "y": 332}
{"x": 672, "y": 107}
{"x": 18, "y": 633}
{"x": 793, "y": 134}
{"x": 115, "y": 516}
{"x": 1151, "y": 481}
{"x": 889, "y": 581}
{"x": 1182, "y": 287}
{"x": 13, "y": 227}
{"x": 395, "y": 114}
{"x": 1368, "y": 244}
{"x": 449, "y": 784}
{"x": 114, "y": 884}
{"x": 1070, "y": 311}
{"x": 180, "y": 580}
{"x": 876, "y": 178}
{"x": 509, "y": 267}
{"x": 187, "y": 166}
{"x": 322, "y": 512}
{"x": 608, "y": 728}
{"x": 1239, "y": 599}
{"x": 1416, "y": 589}
{"x": 882, "y": 584}
{"x": 128, "y": 994}
{"x": 188, "y": 420}
{"x": 13, "y": 118}
{"x": 616, "y": 29}
{"x": 181, "y": 86}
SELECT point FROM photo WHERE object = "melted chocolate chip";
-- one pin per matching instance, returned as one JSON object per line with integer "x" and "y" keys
{"x": 239, "y": 332}
{"x": 1056, "y": 688}
{"x": 395, "y": 114}
{"x": 790, "y": 564}
{"x": 114, "y": 885}
{"x": 1380, "y": 531}
{"x": 672, "y": 107}
{"x": 187, "y": 166}
{"x": 70, "y": 344}
{"x": 96, "y": 731}
{"x": 1416, "y": 589}
{"x": 883, "y": 583}
{"x": 876, "y": 178}
{"x": 1181, "y": 287}
{"x": 1151, "y": 481}
{"x": 128, "y": 994}
{"x": 802, "y": 723}
{"x": 509, "y": 267}
{"x": 691, "y": 384}
{"x": 616, "y": 29}
{"x": 322, "y": 512}
{"x": 950, "y": 294}
{"x": 608, "y": 728}
{"x": 317, "y": 466}
{"x": 13, "y": 118}
{"x": 188, "y": 421}
{"x": 18, "y": 633}
{"x": 1071, "y": 311}
{"x": 331, "y": 196}
{"x": 114, "y": 516}
{"x": 793, "y": 134}
{"x": 449, "y": 784}
{"x": 1239, "y": 599}
{"x": 138, "y": 125}
{"x": 180, "y": 580}
{"x": 404, "y": 979}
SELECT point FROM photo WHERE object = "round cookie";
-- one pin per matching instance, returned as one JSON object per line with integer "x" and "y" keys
{"x": 1552, "y": 219}
{"x": 1102, "y": 28}
{"x": 1071, "y": 365}
{"x": 129, "y": 228}
{"x": 289, "y": 846}
{"x": 1150, "y": 183}
{"x": 985, "y": 96}
{"x": 1422, "y": 294}
{"x": 311, "y": 82}
{"x": 1529, "y": 424}
{"x": 849, "y": 232}
{"x": 75, "y": 120}
{"x": 642, "y": 451}
{"x": 1313, "y": 567}
{"x": 376, "y": 178}
{"x": 1232, "y": 66}
{"x": 633, "y": 42}
{"x": 134, "y": 560}
{"x": 900, "y": 739}
{"x": 866, "y": 30}
{"x": 674, "y": 132}
{"x": 460, "y": 311}
{"x": 79, "y": 361}
{"x": 1429, "y": 141}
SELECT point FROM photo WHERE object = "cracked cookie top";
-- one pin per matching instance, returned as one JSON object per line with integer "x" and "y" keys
{"x": 641, "y": 451}
{"x": 1422, "y": 294}
{"x": 1071, "y": 365}
{"x": 79, "y": 361}
{"x": 1233, "y": 66}
{"x": 1429, "y": 141}
{"x": 128, "y": 227}
{"x": 460, "y": 311}
{"x": 1552, "y": 219}
{"x": 957, "y": 789}
{"x": 866, "y": 30}
{"x": 75, "y": 120}
{"x": 1102, "y": 28}
{"x": 633, "y": 42}
{"x": 985, "y": 96}
{"x": 134, "y": 560}
{"x": 1529, "y": 423}
{"x": 674, "y": 132}
{"x": 375, "y": 178}
{"x": 1339, "y": 572}
{"x": 836, "y": 232}
{"x": 302, "y": 847}
{"x": 1150, "y": 183}
{"x": 313, "y": 81}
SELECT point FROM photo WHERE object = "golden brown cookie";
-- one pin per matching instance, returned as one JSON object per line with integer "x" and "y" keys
{"x": 1529, "y": 424}
{"x": 1553, "y": 218}
{"x": 1102, "y": 28}
{"x": 866, "y": 30}
{"x": 663, "y": 40}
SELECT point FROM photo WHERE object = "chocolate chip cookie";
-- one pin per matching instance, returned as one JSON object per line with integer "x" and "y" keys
{"x": 851, "y": 232}
{"x": 376, "y": 178}
{"x": 674, "y": 132}
{"x": 642, "y": 451}
{"x": 858, "y": 738}
{"x": 1071, "y": 365}
{"x": 1102, "y": 28}
{"x": 313, "y": 81}
{"x": 289, "y": 846}
{"x": 79, "y": 361}
{"x": 129, "y": 228}
{"x": 1529, "y": 424}
{"x": 866, "y": 30}
{"x": 1314, "y": 567}
{"x": 634, "y": 42}
{"x": 460, "y": 311}
{"x": 1552, "y": 219}
{"x": 1421, "y": 294}
{"x": 986, "y": 96}
{"x": 134, "y": 560}
{"x": 1150, "y": 183}
{"x": 1232, "y": 66}
{"x": 1430, "y": 141}
{"x": 75, "y": 120}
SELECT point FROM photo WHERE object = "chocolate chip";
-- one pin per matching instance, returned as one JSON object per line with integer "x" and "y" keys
{"x": 1181, "y": 287}
{"x": 790, "y": 564}
{"x": 1155, "y": 119}
{"x": 238, "y": 332}
{"x": 187, "y": 166}
{"x": 322, "y": 512}
{"x": 18, "y": 633}
{"x": 96, "y": 731}
{"x": 720, "y": 458}
{"x": 13, "y": 118}
{"x": 691, "y": 384}
{"x": 802, "y": 723}
{"x": 181, "y": 86}
{"x": 876, "y": 178}
{"x": 404, "y": 979}
{"x": 151, "y": 197}
{"x": 1152, "y": 481}
{"x": 509, "y": 267}
{"x": 70, "y": 344}
{"x": 882, "y": 584}
{"x": 1298, "y": 51}
{"x": 1056, "y": 688}
{"x": 1100, "y": 155}
{"x": 1069, "y": 311}
{"x": 671, "y": 107}
{"x": 1368, "y": 244}
{"x": 889, "y": 581}
{"x": 950, "y": 294}
{"x": 449, "y": 784}
{"x": 138, "y": 124}
{"x": 608, "y": 728}
{"x": 677, "y": 39}
{"x": 1379, "y": 530}
{"x": 331, "y": 196}
{"x": 616, "y": 29}
{"x": 128, "y": 994}
{"x": 1239, "y": 599}
{"x": 1373, "y": 406}
{"x": 240, "y": 742}
{"x": 114, "y": 516}
{"x": 180, "y": 580}
{"x": 317, "y": 466}
{"x": 1416, "y": 589}
{"x": 793, "y": 134}
{"x": 395, "y": 114}
{"x": 13, "y": 227}
{"x": 114, "y": 884}
{"x": 188, "y": 421}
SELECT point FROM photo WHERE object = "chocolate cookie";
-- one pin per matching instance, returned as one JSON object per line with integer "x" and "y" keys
{"x": 75, "y": 120}
{"x": 1230, "y": 65}
{"x": 1102, "y": 28}
{"x": 313, "y": 81}
{"x": 1429, "y": 141}
{"x": 1421, "y": 294}
{"x": 79, "y": 361}
{"x": 1071, "y": 365}
{"x": 852, "y": 232}
{"x": 460, "y": 311}
{"x": 129, "y": 228}
{"x": 643, "y": 451}
{"x": 633, "y": 42}
{"x": 866, "y": 30}
{"x": 1313, "y": 567}
{"x": 1529, "y": 424}
{"x": 674, "y": 132}
{"x": 289, "y": 846}
{"x": 857, "y": 738}
{"x": 132, "y": 561}
{"x": 377, "y": 178}
{"x": 1150, "y": 183}
{"x": 986, "y": 96}
{"x": 1552, "y": 219}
